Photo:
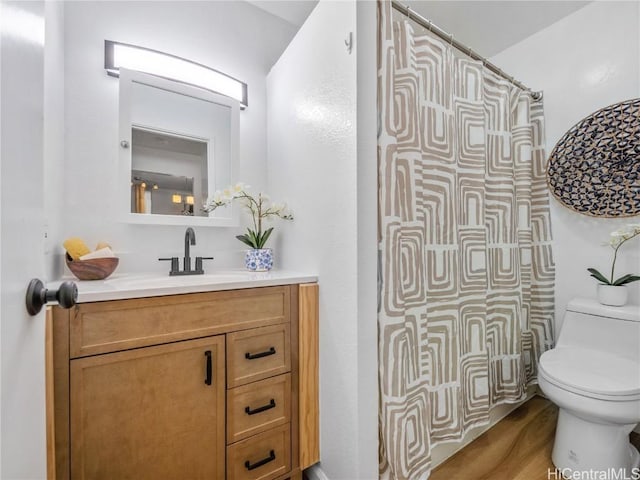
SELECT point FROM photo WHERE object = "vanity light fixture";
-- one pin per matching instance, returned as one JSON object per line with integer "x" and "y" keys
{"x": 189, "y": 200}
{"x": 117, "y": 55}
{"x": 176, "y": 198}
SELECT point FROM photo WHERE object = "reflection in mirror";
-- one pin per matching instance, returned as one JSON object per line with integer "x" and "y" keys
{"x": 161, "y": 193}
{"x": 179, "y": 145}
{"x": 169, "y": 174}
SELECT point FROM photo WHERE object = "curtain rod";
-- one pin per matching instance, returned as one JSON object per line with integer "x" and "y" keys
{"x": 428, "y": 24}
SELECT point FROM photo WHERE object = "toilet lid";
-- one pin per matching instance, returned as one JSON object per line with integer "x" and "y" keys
{"x": 592, "y": 372}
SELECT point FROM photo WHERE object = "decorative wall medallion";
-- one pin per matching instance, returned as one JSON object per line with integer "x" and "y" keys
{"x": 595, "y": 167}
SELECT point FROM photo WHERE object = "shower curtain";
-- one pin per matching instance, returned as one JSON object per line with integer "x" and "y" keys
{"x": 466, "y": 267}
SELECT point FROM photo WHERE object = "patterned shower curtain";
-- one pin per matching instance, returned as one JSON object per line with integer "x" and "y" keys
{"x": 466, "y": 267}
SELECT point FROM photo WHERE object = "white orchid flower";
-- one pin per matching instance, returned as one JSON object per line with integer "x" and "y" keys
{"x": 259, "y": 208}
{"x": 633, "y": 228}
{"x": 617, "y": 238}
{"x": 227, "y": 194}
{"x": 239, "y": 188}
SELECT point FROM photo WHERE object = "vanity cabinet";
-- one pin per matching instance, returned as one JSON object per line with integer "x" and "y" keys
{"x": 199, "y": 386}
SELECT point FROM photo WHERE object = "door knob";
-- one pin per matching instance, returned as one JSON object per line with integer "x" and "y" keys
{"x": 38, "y": 295}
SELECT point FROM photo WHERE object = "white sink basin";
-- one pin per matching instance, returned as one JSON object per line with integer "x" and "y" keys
{"x": 144, "y": 282}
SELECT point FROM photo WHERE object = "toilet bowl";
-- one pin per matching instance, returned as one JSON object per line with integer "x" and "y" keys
{"x": 593, "y": 375}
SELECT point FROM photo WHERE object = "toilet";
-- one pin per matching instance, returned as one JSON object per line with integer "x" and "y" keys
{"x": 593, "y": 376}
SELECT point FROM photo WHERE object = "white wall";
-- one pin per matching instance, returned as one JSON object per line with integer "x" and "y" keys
{"x": 231, "y": 36}
{"x": 53, "y": 134}
{"x": 313, "y": 162}
{"x": 586, "y": 61}
{"x": 367, "y": 204}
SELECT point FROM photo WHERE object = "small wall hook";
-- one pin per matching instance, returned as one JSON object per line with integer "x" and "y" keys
{"x": 349, "y": 43}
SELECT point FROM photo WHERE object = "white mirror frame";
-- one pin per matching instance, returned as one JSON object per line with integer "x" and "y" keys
{"x": 123, "y": 192}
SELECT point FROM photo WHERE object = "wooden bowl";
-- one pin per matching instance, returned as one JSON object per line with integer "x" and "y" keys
{"x": 94, "y": 269}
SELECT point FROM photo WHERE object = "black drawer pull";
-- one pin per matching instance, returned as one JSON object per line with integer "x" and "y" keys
{"x": 209, "y": 376}
{"x": 249, "y": 466}
{"x": 269, "y": 406}
{"x": 253, "y": 356}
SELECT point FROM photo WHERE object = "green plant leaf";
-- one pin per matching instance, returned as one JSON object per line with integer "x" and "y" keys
{"x": 620, "y": 281}
{"x": 246, "y": 240}
{"x": 626, "y": 279}
{"x": 253, "y": 236}
{"x": 259, "y": 240}
{"x": 265, "y": 236}
{"x": 598, "y": 276}
{"x": 255, "y": 239}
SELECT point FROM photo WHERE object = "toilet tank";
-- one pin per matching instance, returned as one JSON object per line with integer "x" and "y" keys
{"x": 614, "y": 330}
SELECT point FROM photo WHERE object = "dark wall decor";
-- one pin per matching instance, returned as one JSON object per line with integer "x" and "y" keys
{"x": 595, "y": 167}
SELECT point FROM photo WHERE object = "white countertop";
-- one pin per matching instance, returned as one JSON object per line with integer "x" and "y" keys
{"x": 124, "y": 286}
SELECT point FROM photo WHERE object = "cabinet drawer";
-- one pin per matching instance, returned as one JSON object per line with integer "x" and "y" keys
{"x": 261, "y": 457}
{"x": 258, "y": 353}
{"x": 257, "y": 407}
{"x": 103, "y": 327}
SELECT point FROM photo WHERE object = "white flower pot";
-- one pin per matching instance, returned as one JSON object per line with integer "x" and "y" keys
{"x": 615, "y": 296}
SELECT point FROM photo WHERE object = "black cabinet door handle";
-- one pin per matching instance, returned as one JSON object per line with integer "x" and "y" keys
{"x": 249, "y": 466}
{"x": 269, "y": 406}
{"x": 253, "y": 356}
{"x": 209, "y": 376}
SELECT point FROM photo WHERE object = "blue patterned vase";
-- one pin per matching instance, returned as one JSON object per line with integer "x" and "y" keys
{"x": 259, "y": 259}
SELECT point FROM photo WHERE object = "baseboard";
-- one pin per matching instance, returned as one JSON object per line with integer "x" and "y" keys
{"x": 314, "y": 472}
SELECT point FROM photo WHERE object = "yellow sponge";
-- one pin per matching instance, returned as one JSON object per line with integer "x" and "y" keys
{"x": 75, "y": 247}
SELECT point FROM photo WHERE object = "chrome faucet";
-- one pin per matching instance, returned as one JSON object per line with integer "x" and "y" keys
{"x": 189, "y": 239}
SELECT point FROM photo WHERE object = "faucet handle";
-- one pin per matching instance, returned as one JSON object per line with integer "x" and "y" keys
{"x": 174, "y": 264}
{"x": 199, "y": 263}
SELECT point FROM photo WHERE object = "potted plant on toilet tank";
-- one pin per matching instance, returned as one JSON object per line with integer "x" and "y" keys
{"x": 261, "y": 209}
{"x": 613, "y": 291}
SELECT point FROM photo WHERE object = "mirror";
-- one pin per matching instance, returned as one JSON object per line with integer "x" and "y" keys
{"x": 179, "y": 145}
{"x": 169, "y": 173}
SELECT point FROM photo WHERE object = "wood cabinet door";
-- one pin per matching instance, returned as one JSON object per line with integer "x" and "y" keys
{"x": 150, "y": 413}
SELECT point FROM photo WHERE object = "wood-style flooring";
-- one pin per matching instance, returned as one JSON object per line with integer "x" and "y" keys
{"x": 516, "y": 448}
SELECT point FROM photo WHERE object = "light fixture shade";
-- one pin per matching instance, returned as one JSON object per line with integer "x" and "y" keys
{"x": 117, "y": 55}
{"x": 176, "y": 198}
{"x": 189, "y": 199}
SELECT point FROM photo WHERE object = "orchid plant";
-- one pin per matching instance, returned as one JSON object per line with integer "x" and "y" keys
{"x": 617, "y": 239}
{"x": 259, "y": 207}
